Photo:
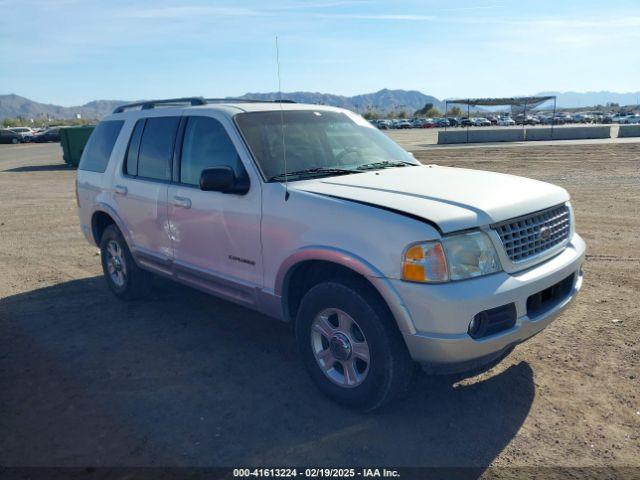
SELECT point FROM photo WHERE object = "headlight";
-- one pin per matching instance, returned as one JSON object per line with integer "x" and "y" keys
{"x": 454, "y": 258}
{"x": 470, "y": 255}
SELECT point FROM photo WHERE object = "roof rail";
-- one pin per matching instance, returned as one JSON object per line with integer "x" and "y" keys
{"x": 246, "y": 100}
{"x": 149, "y": 104}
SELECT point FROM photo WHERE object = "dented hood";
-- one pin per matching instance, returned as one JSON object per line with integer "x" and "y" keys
{"x": 452, "y": 198}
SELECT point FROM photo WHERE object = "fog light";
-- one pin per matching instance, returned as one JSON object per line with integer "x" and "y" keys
{"x": 474, "y": 325}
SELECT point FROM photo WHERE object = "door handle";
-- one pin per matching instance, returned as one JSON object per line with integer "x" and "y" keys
{"x": 120, "y": 189}
{"x": 182, "y": 202}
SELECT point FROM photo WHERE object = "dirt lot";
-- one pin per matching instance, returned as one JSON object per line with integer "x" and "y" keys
{"x": 186, "y": 379}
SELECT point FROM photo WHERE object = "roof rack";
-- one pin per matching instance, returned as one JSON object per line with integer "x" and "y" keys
{"x": 149, "y": 104}
{"x": 193, "y": 101}
{"x": 246, "y": 100}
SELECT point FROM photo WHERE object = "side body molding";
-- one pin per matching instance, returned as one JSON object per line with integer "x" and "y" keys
{"x": 352, "y": 262}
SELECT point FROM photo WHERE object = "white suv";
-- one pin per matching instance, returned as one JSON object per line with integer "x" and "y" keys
{"x": 25, "y": 133}
{"x": 310, "y": 215}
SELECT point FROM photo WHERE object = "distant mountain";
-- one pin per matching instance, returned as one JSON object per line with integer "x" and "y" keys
{"x": 12, "y": 106}
{"x": 383, "y": 101}
{"x": 591, "y": 99}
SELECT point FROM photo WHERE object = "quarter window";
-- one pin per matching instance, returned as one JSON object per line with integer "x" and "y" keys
{"x": 131, "y": 162}
{"x": 156, "y": 147}
{"x": 95, "y": 156}
{"x": 206, "y": 144}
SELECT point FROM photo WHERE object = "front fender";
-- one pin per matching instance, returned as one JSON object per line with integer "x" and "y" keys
{"x": 354, "y": 263}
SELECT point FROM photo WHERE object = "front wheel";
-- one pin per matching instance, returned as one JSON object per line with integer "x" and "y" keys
{"x": 125, "y": 279}
{"x": 351, "y": 345}
{"x": 14, "y": 141}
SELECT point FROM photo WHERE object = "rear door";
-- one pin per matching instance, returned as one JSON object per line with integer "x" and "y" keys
{"x": 140, "y": 189}
{"x": 216, "y": 236}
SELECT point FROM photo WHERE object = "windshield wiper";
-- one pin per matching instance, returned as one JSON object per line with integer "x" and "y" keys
{"x": 384, "y": 164}
{"x": 313, "y": 171}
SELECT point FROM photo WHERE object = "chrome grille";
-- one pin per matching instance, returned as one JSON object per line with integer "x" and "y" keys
{"x": 533, "y": 234}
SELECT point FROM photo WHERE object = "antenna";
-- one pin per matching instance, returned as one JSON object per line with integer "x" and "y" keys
{"x": 284, "y": 145}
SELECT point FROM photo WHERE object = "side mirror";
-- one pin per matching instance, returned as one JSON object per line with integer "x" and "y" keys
{"x": 224, "y": 180}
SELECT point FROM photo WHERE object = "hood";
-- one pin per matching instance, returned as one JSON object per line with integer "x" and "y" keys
{"x": 453, "y": 198}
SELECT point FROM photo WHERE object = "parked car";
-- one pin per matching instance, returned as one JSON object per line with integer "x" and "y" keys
{"x": 26, "y": 133}
{"x": 621, "y": 117}
{"x": 428, "y": 123}
{"x": 466, "y": 122}
{"x": 402, "y": 124}
{"x": 526, "y": 120}
{"x": 441, "y": 122}
{"x": 597, "y": 117}
{"x": 399, "y": 263}
{"x": 561, "y": 119}
{"x": 582, "y": 118}
{"x": 453, "y": 121}
{"x": 481, "y": 122}
{"x": 632, "y": 120}
{"x": 8, "y": 136}
{"x": 383, "y": 124}
{"x": 493, "y": 119}
{"x": 417, "y": 122}
{"x": 49, "y": 135}
{"x": 506, "y": 122}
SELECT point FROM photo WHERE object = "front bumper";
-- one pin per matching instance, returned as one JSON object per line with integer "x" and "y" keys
{"x": 441, "y": 313}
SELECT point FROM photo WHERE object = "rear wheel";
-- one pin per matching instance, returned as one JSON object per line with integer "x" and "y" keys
{"x": 351, "y": 346}
{"x": 125, "y": 279}
{"x": 14, "y": 141}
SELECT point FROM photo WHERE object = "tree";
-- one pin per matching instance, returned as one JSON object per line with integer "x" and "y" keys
{"x": 371, "y": 115}
{"x": 10, "y": 122}
{"x": 433, "y": 112}
{"x": 423, "y": 111}
{"x": 455, "y": 111}
{"x": 44, "y": 122}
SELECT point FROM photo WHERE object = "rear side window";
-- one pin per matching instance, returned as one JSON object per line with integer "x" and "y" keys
{"x": 156, "y": 147}
{"x": 206, "y": 144}
{"x": 95, "y": 156}
{"x": 131, "y": 162}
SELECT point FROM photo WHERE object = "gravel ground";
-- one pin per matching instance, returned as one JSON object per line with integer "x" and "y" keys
{"x": 185, "y": 379}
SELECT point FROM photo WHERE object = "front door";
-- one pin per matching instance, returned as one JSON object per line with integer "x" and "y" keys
{"x": 216, "y": 236}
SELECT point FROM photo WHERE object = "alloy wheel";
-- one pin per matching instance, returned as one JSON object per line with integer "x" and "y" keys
{"x": 116, "y": 264}
{"x": 340, "y": 348}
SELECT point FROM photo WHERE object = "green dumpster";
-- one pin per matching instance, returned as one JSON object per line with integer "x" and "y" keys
{"x": 72, "y": 141}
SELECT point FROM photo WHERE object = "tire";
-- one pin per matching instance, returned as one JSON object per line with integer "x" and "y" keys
{"x": 326, "y": 312}
{"x": 14, "y": 141}
{"x": 125, "y": 279}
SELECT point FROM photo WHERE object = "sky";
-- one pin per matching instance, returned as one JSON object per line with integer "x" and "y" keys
{"x": 69, "y": 52}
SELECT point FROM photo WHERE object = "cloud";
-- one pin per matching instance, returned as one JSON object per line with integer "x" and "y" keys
{"x": 205, "y": 10}
{"x": 475, "y": 7}
{"x": 617, "y": 22}
{"x": 381, "y": 16}
{"x": 191, "y": 11}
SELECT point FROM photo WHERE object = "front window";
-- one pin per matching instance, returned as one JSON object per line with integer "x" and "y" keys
{"x": 316, "y": 140}
{"x": 206, "y": 145}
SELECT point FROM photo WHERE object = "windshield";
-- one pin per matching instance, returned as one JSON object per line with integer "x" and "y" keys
{"x": 316, "y": 140}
